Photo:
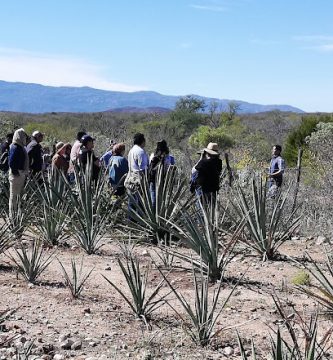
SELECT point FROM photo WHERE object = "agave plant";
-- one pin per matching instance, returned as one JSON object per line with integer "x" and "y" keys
{"x": 50, "y": 224}
{"x": 267, "y": 229}
{"x": 31, "y": 263}
{"x": 201, "y": 319}
{"x": 323, "y": 292}
{"x": 297, "y": 349}
{"x": 76, "y": 279}
{"x": 24, "y": 211}
{"x": 171, "y": 201}
{"x": 6, "y": 238}
{"x": 141, "y": 304}
{"x": 91, "y": 210}
{"x": 201, "y": 232}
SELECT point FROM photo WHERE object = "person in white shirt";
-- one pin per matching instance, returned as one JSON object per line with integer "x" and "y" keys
{"x": 137, "y": 166}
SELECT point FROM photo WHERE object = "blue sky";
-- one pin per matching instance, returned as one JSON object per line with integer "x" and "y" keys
{"x": 263, "y": 51}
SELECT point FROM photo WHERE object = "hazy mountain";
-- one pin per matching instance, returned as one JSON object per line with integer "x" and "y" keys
{"x": 34, "y": 98}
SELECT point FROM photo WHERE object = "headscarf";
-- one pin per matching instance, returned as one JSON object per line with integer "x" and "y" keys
{"x": 20, "y": 137}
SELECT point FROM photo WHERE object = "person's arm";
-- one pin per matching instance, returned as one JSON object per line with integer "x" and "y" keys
{"x": 142, "y": 161}
{"x": 14, "y": 161}
{"x": 281, "y": 167}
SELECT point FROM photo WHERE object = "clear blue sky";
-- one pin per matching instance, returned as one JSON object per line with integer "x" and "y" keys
{"x": 264, "y": 51}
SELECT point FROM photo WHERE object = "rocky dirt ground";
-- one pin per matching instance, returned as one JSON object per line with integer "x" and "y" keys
{"x": 100, "y": 325}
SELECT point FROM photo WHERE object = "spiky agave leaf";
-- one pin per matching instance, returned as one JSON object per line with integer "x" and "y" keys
{"x": 141, "y": 304}
{"x": 202, "y": 317}
{"x": 31, "y": 263}
{"x": 267, "y": 229}
{"x": 76, "y": 279}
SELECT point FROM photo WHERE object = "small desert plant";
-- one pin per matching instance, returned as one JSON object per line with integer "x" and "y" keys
{"x": 301, "y": 278}
{"x": 141, "y": 304}
{"x": 323, "y": 292}
{"x": 311, "y": 349}
{"x": 201, "y": 232}
{"x": 91, "y": 211}
{"x": 202, "y": 317}
{"x": 25, "y": 353}
{"x": 267, "y": 228}
{"x": 75, "y": 279}
{"x": 31, "y": 263}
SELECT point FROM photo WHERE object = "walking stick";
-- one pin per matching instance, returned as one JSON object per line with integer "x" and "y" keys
{"x": 231, "y": 177}
{"x": 298, "y": 177}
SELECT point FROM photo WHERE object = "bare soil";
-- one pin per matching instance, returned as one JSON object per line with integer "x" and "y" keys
{"x": 103, "y": 322}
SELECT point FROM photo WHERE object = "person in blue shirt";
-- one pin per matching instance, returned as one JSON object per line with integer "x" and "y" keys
{"x": 118, "y": 168}
{"x": 276, "y": 168}
{"x": 105, "y": 158}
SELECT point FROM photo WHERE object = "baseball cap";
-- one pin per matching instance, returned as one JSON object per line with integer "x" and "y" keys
{"x": 86, "y": 138}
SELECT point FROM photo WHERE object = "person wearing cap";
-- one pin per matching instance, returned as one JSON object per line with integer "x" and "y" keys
{"x": 209, "y": 169}
{"x": 105, "y": 158}
{"x": 87, "y": 155}
{"x": 35, "y": 153}
{"x": 18, "y": 168}
{"x": 161, "y": 157}
{"x": 74, "y": 157}
{"x": 60, "y": 160}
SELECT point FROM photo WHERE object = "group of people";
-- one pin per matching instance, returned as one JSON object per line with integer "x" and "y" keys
{"x": 22, "y": 156}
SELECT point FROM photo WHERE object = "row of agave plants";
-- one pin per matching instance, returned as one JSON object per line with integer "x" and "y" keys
{"x": 215, "y": 233}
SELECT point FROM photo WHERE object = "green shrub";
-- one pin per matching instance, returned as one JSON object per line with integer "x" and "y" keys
{"x": 301, "y": 278}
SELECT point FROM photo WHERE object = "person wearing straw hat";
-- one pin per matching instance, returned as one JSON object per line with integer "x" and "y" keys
{"x": 209, "y": 169}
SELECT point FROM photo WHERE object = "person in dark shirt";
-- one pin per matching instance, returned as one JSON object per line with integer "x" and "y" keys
{"x": 87, "y": 155}
{"x": 208, "y": 170}
{"x": 4, "y": 156}
{"x": 35, "y": 153}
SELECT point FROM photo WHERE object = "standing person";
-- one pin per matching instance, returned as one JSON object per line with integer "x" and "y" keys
{"x": 276, "y": 169}
{"x": 74, "y": 156}
{"x": 118, "y": 166}
{"x": 137, "y": 166}
{"x": 61, "y": 159}
{"x": 208, "y": 170}
{"x": 105, "y": 158}
{"x": 4, "y": 166}
{"x": 18, "y": 168}
{"x": 35, "y": 153}
{"x": 87, "y": 157}
{"x": 162, "y": 157}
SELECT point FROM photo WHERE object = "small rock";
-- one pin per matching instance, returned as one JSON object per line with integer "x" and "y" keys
{"x": 108, "y": 268}
{"x": 321, "y": 240}
{"x": 58, "y": 357}
{"x": 87, "y": 311}
{"x": 67, "y": 344}
{"x": 145, "y": 253}
{"x": 64, "y": 336}
{"x": 77, "y": 345}
{"x": 228, "y": 351}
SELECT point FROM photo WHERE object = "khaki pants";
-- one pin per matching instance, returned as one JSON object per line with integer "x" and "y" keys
{"x": 16, "y": 184}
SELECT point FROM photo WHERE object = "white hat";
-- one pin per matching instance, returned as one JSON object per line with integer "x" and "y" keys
{"x": 36, "y": 133}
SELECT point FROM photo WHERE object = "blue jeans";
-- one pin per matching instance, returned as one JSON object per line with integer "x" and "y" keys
{"x": 152, "y": 188}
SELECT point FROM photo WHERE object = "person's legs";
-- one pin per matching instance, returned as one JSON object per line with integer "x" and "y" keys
{"x": 152, "y": 188}
{"x": 16, "y": 184}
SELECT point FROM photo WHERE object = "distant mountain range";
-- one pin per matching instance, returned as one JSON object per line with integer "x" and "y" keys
{"x": 34, "y": 98}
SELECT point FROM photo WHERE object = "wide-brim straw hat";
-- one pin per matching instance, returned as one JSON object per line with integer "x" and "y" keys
{"x": 212, "y": 148}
